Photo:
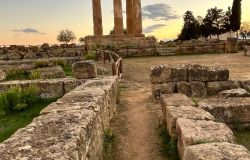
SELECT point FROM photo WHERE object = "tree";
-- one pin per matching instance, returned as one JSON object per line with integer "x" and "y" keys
{"x": 190, "y": 28}
{"x": 66, "y": 36}
{"x": 235, "y": 18}
{"x": 81, "y": 40}
{"x": 226, "y": 21}
{"x": 245, "y": 30}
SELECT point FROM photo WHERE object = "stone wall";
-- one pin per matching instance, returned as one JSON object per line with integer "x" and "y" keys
{"x": 192, "y": 80}
{"x": 200, "y": 135}
{"x": 71, "y": 128}
{"x": 53, "y": 88}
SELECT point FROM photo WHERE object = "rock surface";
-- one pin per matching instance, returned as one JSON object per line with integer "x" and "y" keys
{"x": 188, "y": 112}
{"x": 192, "y": 132}
{"x": 51, "y": 72}
{"x": 164, "y": 88}
{"x": 207, "y": 73}
{"x": 84, "y": 69}
{"x": 231, "y": 110}
{"x": 2, "y": 75}
{"x": 168, "y": 73}
{"x": 234, "y": 93}
{"x": 213, "y": 88}
{"x": 216, "y": 151}
{"x": 246, "y": 85}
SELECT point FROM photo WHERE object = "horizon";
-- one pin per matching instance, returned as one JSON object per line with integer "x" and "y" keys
{"x": 35, "y": 22}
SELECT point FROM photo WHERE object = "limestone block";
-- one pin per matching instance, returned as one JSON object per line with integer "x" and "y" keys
{"x": 207, "y": 74}
{"x": 213, "y": 88}
{"x": 232, "y": 46}
{"x": 231, "y": 110}
{"x": 188, "y": 112}
{"x": 50, "y": 89}
{"x": 2, "y": 75}
{"x": 51, "y": 72}
{"x": 234, "y": 93}
{"x": 198, "y": 89}
{"x": 168, "y": 73}
{"x": 84, "y": 69}
{"x": 216, "y": 151}
{"x": 246, "y": 85}
{"x": 72, "y": 84}
{"x": 14, "y": 55}
{"x": 164, "y": 88}
{"x": 192, "y": 132}
{"x": 175, "y": 99}
{"x": 184, "y": 88}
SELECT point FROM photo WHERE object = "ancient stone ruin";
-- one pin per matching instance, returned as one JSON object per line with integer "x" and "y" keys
{"x": 203, "y": 129}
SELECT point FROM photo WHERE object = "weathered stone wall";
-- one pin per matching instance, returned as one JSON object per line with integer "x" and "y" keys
{"x": 199, "y": 134}
{"x": 71, "y": 128}
{"x": 34, "y": 52}
{"x": 53, "y": 88}
{"x": 192, "y": 80}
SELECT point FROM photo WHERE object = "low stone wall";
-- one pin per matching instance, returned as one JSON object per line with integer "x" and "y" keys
{"x": 53, "y": 88}
{"x": 192, "y": 80}
{"x": 199, "y": 134}
{"x": 71, "y": 128}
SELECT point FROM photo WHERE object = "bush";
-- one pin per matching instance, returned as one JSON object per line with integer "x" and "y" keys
{"x": 90, "y": 56}
{"x": 42, "y": 64}
{"x": 36, "y": 74}
{"x": 14, "y": 74}
{"x": 59, "y": 62}
{"x": 17, "y": 99}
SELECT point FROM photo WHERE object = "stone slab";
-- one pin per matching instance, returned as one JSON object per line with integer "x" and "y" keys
{"x": 188, "y": 112}
{"x": 216, "y": 151}
{"x": 198, "y": 89}
{"x": 230, "y": 110}
{"x": 168, "y": 73}
{"x": 192, "y": 132}
{"x": 213, "y": 88}
{"x": 234, "y": 93}
{"x": 207, "y": 73}
{"x": 164, "y": 88}
{"x": 246, "y": 85}
{"x": 51, "y": 72}
{"x": 184, "y": 88}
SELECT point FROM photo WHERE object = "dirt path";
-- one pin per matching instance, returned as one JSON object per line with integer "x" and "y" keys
{"x": 136, "y": 124}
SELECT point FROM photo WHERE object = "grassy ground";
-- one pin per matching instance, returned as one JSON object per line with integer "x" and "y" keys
{"x": 68, "y": 70}
{"x": 10, "y": 123}
{"x": 243, "y": 138}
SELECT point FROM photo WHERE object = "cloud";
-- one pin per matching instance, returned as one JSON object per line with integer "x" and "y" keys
{"x": 27, "y": 30}
{"x": 152, "y": 28}
{"x": 159, "y": 11}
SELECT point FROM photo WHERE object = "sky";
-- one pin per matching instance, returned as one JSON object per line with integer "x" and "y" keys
{"x": 37, "y": 21}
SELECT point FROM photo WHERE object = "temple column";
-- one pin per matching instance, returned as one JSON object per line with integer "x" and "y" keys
{"x": 118, "y": 17}
{"x": 97, "y": 17}
{"x": 137, "y": 17}
{"x": 129, "y": 12}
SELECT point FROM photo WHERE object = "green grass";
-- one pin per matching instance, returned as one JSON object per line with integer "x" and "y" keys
{"x": 11, "y": 122}
{"x": 108, "y": 142}
{"x": 68, "y": 70}
{"x": 243, "y": 137}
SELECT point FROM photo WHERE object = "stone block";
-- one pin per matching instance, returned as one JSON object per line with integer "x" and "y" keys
{"x": 231, "y": 110}
{"x": 51, "y": 72}
{"x": 164, "y": 88}
{"x": 71, "y": 84}
{"x": 168, "y": 73}
{"x": 216, "y": 151}
{"x": 188, "y": 112}
{"x": 176, "y": 100}
{"x": 213, "y": 88}
{"x": 234, "y": 93}
{"x": 198, "y": 89}
{"x": 192, "y": 132}
{"x": 84, "y": 69}
{"x": 2, "y": 75}
{"x": 184, "y": 88}
{"x": 207, "y": 74}
{"x": 246, "y": 85}
{"x": 50, "y": 89}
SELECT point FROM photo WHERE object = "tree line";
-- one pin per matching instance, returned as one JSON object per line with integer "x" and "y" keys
{"x": 216, "y": 22}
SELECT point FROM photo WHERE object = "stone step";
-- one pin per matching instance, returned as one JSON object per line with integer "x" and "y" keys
{"x": 193, "y": 132}
{"x": 216, "y": 151}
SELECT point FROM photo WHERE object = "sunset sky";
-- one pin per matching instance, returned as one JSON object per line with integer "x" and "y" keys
{"x": 38, "y": 21}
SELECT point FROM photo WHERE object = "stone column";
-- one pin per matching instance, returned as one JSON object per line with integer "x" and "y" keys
{"x": 129, "y": 10}
{"x": 97, "y": 17}
{"x": 137, "y": 17}
{"x": 118, "y": 18}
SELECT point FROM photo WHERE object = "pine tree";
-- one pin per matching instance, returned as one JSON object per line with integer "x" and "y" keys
{"x": 235, "y": 18}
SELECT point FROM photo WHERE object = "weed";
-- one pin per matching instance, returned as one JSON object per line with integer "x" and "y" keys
{"x": 108, "y": 143}
{"x": 41, "y": 64}
{"x": 59, "y": 62}
{"x": 36, "y": 74}
{"x": 17, "y": 74}
{"x": 90, "y": 56}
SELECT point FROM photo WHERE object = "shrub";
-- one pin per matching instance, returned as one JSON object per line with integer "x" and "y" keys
{"x": 36, "y": 74}
{"x": 59, "y": 62}
{"x": 17, "y": 99}
{"x": 90, "y": 56}
{"x": 42, "y": 64}
{"x": 14, "y": 74}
